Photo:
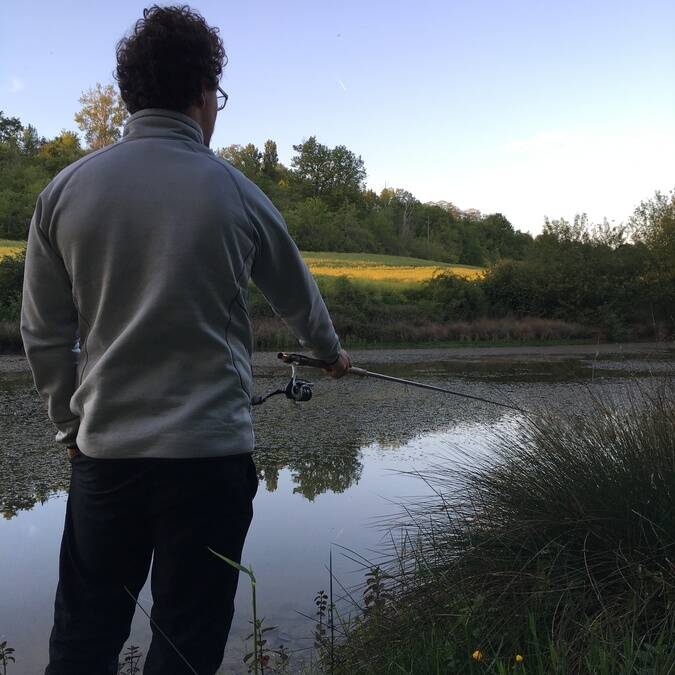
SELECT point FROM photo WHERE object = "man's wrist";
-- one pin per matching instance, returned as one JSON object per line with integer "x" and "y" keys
{"x": 337, "y": 350}
{"x": 332, "y": 363}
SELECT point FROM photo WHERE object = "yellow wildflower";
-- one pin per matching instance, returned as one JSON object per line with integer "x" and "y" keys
{"x": 477, "y": 655}
{"x": 519, "y": 658}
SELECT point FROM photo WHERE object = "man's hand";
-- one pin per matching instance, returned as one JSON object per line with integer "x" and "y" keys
{"x": 73, "y": 452}
{"x": 341, "y": 367}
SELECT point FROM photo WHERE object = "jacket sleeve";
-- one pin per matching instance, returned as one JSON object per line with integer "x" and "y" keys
{"x": 285, "y": 280}
{"x": 49, "y": 325}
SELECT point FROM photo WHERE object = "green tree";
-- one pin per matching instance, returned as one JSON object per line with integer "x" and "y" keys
{"x": 102, "y": 115}
{"x": 498, "y": 239}
{"x": 336, "y": 175}
{"x": 10, "y": 130}
{"x": 311, "y": 166}
{"x": 27, "y": 163}
{"x": 311, "y": 225}
{"x": 406, "y": 203}
{"x": 653, "y": 224}
{"x": 30, "y": 141}
{"x": 22, "y": 177}
{"x": 653, "y": 227}
{"x": 347, "y": 176}
{"x": 270, "y": 159}
{"x": 21, "y": 180}
{"x": 61, "y": 151}
{"x": 246, "y": 158}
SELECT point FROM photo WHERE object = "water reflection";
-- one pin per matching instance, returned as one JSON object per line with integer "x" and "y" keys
{"x": 320, "y": 441}
{"x": 312, "y": 472}
{"x": 288, "y": 545}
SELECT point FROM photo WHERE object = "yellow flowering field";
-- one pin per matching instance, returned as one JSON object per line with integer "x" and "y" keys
{"x": 362, "y": 266}
{"x": 387, "y": 268}
{"x": 9, "y": 247}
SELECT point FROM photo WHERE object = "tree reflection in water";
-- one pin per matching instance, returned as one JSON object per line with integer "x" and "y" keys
{"x": 313, "y": 472}
{"x": 319, "y": 441}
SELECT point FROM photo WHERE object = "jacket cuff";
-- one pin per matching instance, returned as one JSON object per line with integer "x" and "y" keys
{"x": 67, "y": 432}
{"x": 331, "y": 356}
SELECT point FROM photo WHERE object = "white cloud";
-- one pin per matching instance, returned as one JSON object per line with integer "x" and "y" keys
{"x": 555, "y": 173}
{"x": 16, "y": 84}
{"x": 605, "y": 174}
{"x": 542, "y": 141}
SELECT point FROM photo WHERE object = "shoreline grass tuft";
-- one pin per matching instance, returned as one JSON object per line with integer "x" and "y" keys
{"x": 555, "y": 554}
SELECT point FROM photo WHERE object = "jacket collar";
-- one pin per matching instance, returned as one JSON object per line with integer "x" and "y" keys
{"x": 162, "y": 122}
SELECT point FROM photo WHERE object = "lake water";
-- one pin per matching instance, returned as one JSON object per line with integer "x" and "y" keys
{"x": 331, "y": 471}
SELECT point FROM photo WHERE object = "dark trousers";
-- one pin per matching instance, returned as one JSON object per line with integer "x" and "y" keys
{"x": 121, "y": 513}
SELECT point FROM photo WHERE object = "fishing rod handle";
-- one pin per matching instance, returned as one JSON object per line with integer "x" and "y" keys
{"x": 302, "y": 360}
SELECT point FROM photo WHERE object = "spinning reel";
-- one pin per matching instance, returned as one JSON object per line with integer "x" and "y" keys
{"x": 297, "y": 390}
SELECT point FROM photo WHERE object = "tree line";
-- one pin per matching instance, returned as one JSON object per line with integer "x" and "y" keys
{"x": 576, "y": 281}
{"x": 322, "y": 194}
{"x": 616, "y": 281}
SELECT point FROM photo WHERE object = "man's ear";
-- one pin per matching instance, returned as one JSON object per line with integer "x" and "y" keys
{"x": 202, "y": 100}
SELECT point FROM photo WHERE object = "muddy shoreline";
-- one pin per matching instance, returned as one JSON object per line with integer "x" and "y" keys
{"x": 17, "y": 363}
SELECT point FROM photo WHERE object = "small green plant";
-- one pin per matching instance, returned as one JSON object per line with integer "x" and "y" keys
{"x": 324, "y": 628}
{"x": 262, "y": 658}
{"x": 261, "y": 655}
{"x": 6, "y": 656}
{"x": 320, "y": 629}
{"x": 131, "y": 663}
{"x": 375, "y": 594}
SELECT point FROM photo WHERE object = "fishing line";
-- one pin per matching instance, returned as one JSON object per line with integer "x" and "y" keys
{"x": 421, "y": 385}
{"x": 166, "y": 637}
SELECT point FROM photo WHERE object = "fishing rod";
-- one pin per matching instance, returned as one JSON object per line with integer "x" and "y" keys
{"x": 301, "y": 390}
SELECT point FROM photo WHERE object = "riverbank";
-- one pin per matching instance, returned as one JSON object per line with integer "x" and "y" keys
{"x": 270, "y": 334}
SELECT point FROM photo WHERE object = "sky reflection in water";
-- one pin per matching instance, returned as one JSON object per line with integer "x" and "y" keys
{"x": 288, "y": 545}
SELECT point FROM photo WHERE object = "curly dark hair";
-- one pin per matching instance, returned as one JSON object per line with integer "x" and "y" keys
{"x": 171, "y": 55}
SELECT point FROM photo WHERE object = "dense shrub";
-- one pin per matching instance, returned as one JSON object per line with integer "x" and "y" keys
{"x": 11, "y": 283}
{"x": 450, "y": 297}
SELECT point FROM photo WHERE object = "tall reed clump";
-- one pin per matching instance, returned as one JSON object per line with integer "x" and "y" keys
{"x": 559, "y": 549}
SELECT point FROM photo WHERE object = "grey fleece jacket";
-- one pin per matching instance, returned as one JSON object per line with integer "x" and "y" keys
{"x": 143, "y": 251}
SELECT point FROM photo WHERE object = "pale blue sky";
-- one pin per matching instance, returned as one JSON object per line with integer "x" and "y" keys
{"x": 528, "y": 108}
